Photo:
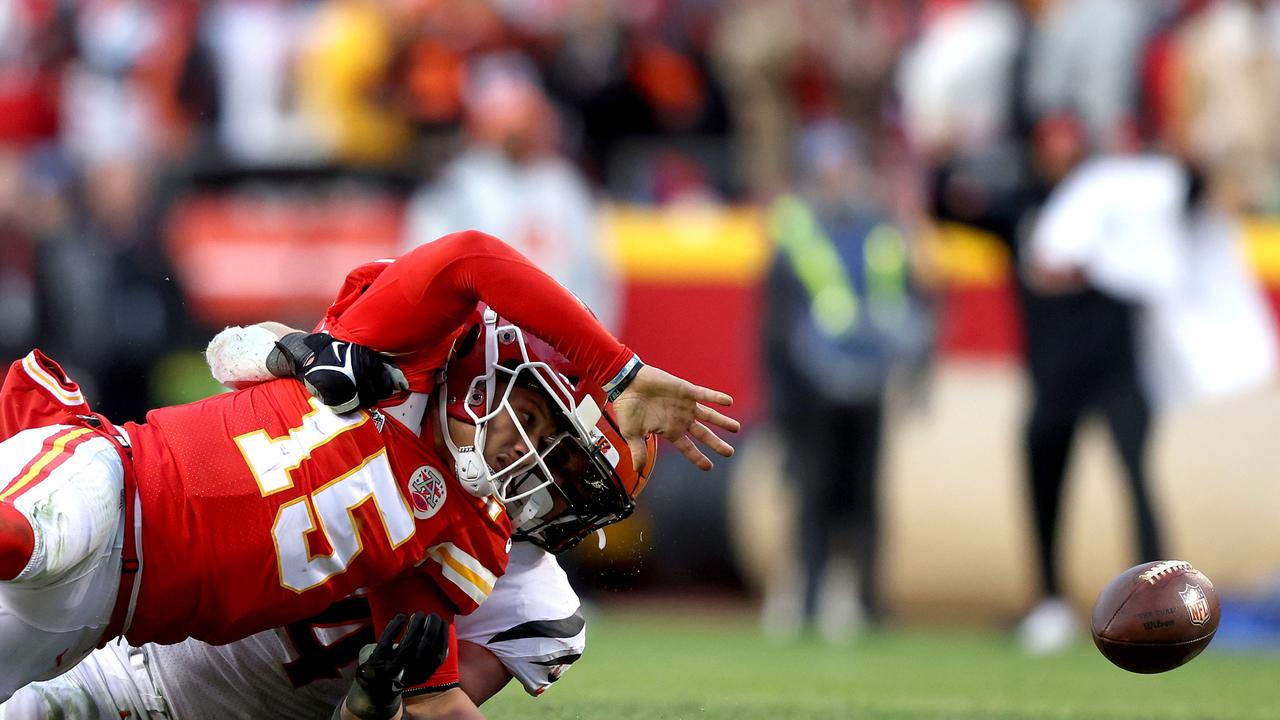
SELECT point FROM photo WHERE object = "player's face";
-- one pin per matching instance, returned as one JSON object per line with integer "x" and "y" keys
{"x": 503, "y": 443}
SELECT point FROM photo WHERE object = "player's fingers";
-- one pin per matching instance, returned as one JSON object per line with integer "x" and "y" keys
{"x": 717, "y": 418}
{"x": 711, "y": 440}
{"x": 437, "y": 639}
{"x": 639, "y": 452}
{"x": 430, "y": 653}
{"x": 437, "y": 634}
{"x": 398, "y": 381}
{"x": 412, "y": 637}
{"x": 715, "y": 397}
{"x": 389, "y": 634}
{"x": 692, "y": 453}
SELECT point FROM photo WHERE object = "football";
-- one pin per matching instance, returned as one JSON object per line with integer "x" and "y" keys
{"x": 1155, "y": 616}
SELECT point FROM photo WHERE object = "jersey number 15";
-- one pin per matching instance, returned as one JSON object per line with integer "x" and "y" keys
{"x": 329, "y": 507}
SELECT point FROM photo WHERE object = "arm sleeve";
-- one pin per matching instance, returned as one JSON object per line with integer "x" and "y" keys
{"x": 426, "y": 294}
{"x": 408, "y": 594}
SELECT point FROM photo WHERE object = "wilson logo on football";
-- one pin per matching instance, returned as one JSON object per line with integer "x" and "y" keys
{"x": 426, "y": 491}
{"x": 1197, "y": 604}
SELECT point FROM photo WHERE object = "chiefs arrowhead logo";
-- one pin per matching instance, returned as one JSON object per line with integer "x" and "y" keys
{"x": 427, "y": 491}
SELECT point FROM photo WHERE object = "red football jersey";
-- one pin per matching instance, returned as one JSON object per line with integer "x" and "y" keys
{"x": 261, "y": 507}
{"x": 244, "y": 530}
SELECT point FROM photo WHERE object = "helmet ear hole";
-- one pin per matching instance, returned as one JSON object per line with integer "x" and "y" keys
{"x": 468, "y": 340}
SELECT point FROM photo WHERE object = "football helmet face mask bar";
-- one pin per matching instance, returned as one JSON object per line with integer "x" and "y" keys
{"x": 493, "y": 359}
{"x": 595, "y": 485}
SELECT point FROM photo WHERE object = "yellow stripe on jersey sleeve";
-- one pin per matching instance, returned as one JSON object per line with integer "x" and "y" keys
{"x": 464, "y": 571}
{"x": 46, "y": 380}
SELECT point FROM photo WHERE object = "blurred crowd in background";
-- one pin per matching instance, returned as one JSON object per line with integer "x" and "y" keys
{"x": 872, "y": 118}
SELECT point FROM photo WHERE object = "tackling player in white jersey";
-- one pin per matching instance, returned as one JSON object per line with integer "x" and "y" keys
{"x": 531, "y": 627}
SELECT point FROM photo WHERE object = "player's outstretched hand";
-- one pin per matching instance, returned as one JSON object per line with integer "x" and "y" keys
{"x": 658, "y": 402}
{"x": 342, "y": 375}
{"x": 387, "y": 668}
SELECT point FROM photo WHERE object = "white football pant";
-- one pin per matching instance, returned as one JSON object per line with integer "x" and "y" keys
{"x": 68, "y": 481}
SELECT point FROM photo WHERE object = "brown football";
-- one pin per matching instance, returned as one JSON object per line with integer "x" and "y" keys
{"x": 1155, "y": 616}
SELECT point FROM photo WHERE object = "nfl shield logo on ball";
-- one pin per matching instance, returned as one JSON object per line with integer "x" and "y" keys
{"x": 426, "y": 491}
{"x": 1197, "y": 604}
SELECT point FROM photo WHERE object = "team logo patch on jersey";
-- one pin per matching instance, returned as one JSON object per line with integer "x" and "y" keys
{"x": 426, "y": 491}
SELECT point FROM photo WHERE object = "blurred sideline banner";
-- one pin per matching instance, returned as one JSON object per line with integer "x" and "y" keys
{"x": 248, "y": 257}
{"x": 691, "y": 274}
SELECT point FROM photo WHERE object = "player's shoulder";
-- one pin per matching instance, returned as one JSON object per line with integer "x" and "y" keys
{"x": 271, "y": 409}
{"x": 282, "y": 398}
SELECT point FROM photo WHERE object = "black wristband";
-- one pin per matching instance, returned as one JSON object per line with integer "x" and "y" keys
{"x": 624, "y": 377}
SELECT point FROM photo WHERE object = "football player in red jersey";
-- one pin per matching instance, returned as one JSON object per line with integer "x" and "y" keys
{"x": 531, "y": 627}
{"x": 253, "y": 509}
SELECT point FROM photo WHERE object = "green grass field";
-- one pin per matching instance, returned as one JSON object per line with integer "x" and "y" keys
{"x": 698, "y": 664}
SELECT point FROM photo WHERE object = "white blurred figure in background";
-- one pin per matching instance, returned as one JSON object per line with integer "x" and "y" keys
{"x": 511, "y": 181}
{"x": 254, "y": 46}
{"x": 1138, "y": 228}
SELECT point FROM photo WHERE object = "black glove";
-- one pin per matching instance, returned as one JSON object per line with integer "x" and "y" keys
{"x": 387, "y": 668}
{"x": 340, "y": 374}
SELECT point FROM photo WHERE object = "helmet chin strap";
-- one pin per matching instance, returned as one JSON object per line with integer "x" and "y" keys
{"x": 473, "y": 473}
{"x": 468, "y": 463}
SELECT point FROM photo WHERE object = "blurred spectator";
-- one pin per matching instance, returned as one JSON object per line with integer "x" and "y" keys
{"x": 1084, "y": 60}
{"x": 109, "y": 301}
{"x": 344, "y": 75}
{"x": 840, "y": 316}
{"x": 1140, "y": 228}
{"x": 106, "y": 111}
{"x": 34, "y": 44}
{"x": 1225, "y": 99}
{"x": 1082, "y": 356}
{"x": 17, "y": 258}
{"x": 510, "y": 181}
{"x": 955, "y": 81}
{"x": 786, "y": 63}
{"x": 634, "y": 77}
{"x": 994, "y": 170}
{"x": 253, "y": 44}
{"x": 755, "y": 53}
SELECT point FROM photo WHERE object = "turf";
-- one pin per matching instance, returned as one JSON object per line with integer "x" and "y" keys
{"x": 682, "y": 664}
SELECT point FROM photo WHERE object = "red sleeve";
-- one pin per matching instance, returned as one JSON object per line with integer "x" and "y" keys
{"x": 410, "y": 593}
{"x": 424, "y": 296}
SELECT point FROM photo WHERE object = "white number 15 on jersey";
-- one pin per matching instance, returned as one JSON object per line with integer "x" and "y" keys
{"x": 272, "y": 459}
